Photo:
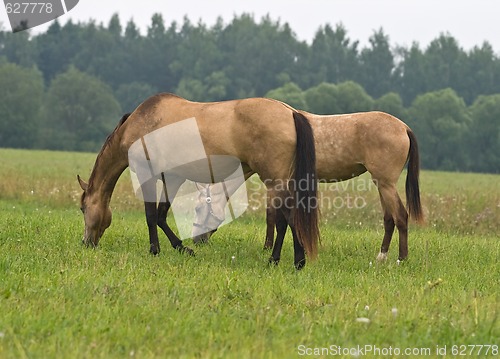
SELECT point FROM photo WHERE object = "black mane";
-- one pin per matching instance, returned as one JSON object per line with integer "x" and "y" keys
{"x": 106, "y": 144}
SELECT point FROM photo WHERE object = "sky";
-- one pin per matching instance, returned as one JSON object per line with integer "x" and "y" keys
{"x": 471, "y": 22}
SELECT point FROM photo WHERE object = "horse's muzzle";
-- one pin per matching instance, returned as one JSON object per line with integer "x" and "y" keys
{"x": 201, "y": 238}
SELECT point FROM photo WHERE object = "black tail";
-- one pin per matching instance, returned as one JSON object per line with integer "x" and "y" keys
{"x": 306, "y": 186}
{"x": 412, "y": 187}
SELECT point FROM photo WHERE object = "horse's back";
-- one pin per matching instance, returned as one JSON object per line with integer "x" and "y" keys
{"x": 260, "y": 132}
{"x": 350, "y": 144}
{"x": 265, "y": 132}
{"x": 385, "y": 143}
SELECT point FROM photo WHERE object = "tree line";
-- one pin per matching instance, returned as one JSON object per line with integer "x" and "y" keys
{"x": 66, "y": 88}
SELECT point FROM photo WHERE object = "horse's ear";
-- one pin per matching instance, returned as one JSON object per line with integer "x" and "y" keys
{"x": 83, "y": 184}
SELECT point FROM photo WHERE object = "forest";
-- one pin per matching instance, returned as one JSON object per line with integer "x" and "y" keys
{"x": 66, "y": 88}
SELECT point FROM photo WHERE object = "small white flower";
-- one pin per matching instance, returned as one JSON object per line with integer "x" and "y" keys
{"x": 394, "y": 311}
{"x": 398, "y": 261}
{"x": 367, "y": 307}
{"x": 371, "y": 263}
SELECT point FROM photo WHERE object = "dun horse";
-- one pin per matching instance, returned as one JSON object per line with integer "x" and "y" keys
{"x": 268, "y": 137}
{"x": 347, "y": 146}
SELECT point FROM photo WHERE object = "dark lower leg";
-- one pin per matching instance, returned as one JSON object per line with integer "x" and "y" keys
{"x": 176, "y": 243}
{"x": 389, "y": 230}
{"x": 393, "y": 215}
{"x": 402, "y": 225}
{"x": 151, "y": 220}
{"x": 298, "y": 250}
{"x": 403, "y": 244}
{"x": 270, "y": 223}
{"x": 281, "y": 225}
{"x": 163, "y": 208}
{"x": 299, "y": 254}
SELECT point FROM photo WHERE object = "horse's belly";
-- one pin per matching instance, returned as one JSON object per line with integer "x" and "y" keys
{"x": 212, "y": 169}
{"x": 334, "y": 172}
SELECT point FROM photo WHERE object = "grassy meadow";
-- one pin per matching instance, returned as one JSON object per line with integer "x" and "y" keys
{"x": 59, "y": 299}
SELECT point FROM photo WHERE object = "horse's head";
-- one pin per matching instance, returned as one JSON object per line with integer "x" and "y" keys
{"x": 96, "y": 213}
{"x": 209, "y": 211}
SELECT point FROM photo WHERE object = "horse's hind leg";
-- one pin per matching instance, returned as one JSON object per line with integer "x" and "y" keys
{"x": 299, "y": 254}
{"x": 395, "y": 215}
{"x": 270, "y": 223}
{"x": 281, "y": 226}
{"x": 388, "y": 232}
{"x": 283, "y": 202}
{"x": 402, "y": 225}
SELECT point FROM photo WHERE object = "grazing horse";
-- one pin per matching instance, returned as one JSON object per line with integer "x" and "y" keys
{"x": 347, "y": 146}
{"x": 268, "y": 137}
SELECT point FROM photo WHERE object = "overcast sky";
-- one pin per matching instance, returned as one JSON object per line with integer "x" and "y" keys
{"x": 470, "y": 21}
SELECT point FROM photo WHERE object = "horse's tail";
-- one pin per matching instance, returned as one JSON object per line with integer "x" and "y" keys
{"x": 306, "y": 186}
{"x": 412, "y": 187}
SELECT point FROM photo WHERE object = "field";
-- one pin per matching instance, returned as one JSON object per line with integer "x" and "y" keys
{"x": 59, "y": 299}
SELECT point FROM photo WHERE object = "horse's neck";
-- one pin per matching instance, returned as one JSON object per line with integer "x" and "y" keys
{"x": 109, "y": 165}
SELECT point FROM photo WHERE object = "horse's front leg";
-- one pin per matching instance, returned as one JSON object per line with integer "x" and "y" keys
{"x": 176, "y": 243}
{"x": 151, "y": 220}
{"x": 171, "y": 185}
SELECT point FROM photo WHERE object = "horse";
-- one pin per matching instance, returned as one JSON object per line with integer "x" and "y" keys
{"x": 346, "y": 146}
{"x": 269, "y": 138}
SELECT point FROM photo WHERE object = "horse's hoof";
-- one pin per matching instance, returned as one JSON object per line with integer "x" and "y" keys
{"x": 382, "y": 257}
{"x": 186, "y": 250}
{"x": 268, "y": 246}
{"x": 200, "y": 242}
{"x": 201, "y": 239}
{"x": 154, "y": 251}
{"x": 300, "y": 264}
{"x": 273, "y": 261}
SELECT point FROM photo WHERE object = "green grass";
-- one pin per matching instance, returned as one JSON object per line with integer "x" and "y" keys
{"x": 59, "y": 299}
